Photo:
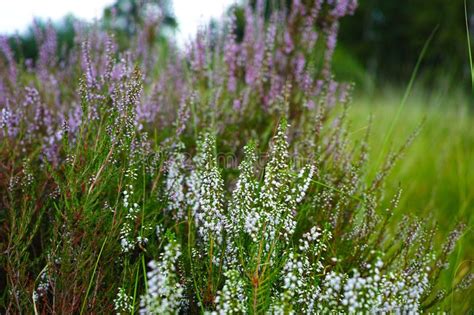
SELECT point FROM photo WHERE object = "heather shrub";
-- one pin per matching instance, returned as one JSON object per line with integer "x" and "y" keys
{"x": 216, "y": 179}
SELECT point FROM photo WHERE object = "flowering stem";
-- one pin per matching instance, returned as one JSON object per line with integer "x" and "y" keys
{"x": 196, "y": 288}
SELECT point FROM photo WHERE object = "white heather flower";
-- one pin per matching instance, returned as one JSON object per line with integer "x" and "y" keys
{"x": 304, "y": 180}
{"x": 330, "y": 291}
{"x": 374, "y": 292}
{"x": 232, "y": 298}
{"x": 297, "y": 289}
{"x": 243, "y": 211}
{"x": 165, "y": 293}
{"x": 127, "y": 241}
{"x": 175, "y": 182}
{"x": 207, "y": 192}
{"x": 314, "y": 243}
{"x": 276, "y": 197}
{"x": 123, "y": 302}
{"x": 28, "y": 177}
{"x": 43, "y": 286}
{"x": 159, "y": 231}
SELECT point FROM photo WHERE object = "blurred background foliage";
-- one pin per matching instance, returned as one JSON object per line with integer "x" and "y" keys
{"x": 25, "y": 46}
{"x": 124, "y": 18}
{"x": 380, "y": 42}
{"x": 385, "y": 38}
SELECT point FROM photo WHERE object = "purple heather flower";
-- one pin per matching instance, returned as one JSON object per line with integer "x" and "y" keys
{"x": 332, "y": 93}
{"x": 9, "y": 121}
{"x": 260, "y": 7}
{"x": 183, "y": 116}
{"x": 249, "y": 34}
{"x": 299, "y": 64}
{"x": 50, "y": 148}
{"x": 198, "y": 52}
{"x": 47, "y": 56}
{"x": 237, "y": 104}
{"x": 310, "y": 104}
{"x": 231, "y": 50}
{"x": 32, "y": 97}
{"x": 297, "y": 9}
{"x": 340, "y": 7}
{"x": 306, "y": 83}
{"x": 288, "y": 43}
{"x": 87, "y": 64}
{"x": 252, "y": 71}
{"x": 276, "y": 88}
{"x": 331, "y": 41}
{"x": 343, "y": 7}
{"x": 344, "y": 92}
{"x": 7, "y": 52}
{"x": 74, "y": 119}
{"x": 270, "y": 43}
{"x": 352, "y": 6}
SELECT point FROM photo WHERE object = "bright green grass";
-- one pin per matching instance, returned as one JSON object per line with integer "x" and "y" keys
{"x": 437, "y": 171}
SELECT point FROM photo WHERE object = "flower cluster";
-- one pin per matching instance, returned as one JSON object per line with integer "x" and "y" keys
{"x": 232, "y": 299}
{"x": 126, "y": 233}
{"x": 244, "y": 209}
{"x": 206, "y": 188}
{"x": 175, "y": 183}
{"x": 165, "y": 293}
{"x": 278, "y": 203}
{"x": 375, "y": 292}
{"x": 43, "y": 286}
{"x": 123, "y": 302}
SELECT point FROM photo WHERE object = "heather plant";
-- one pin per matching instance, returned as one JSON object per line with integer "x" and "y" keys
{"x": 116, "y": 198}
{"x": 285, "y": 252}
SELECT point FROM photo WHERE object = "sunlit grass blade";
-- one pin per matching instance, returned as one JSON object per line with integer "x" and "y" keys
{"x": 468, "y": 37}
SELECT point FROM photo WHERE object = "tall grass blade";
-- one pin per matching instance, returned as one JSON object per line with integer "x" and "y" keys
{"x": 406, "y": 94}
{"x": 468, "y": 36}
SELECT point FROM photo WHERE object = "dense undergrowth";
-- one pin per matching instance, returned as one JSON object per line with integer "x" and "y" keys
{"x": 222, "y": 178}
